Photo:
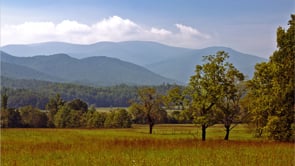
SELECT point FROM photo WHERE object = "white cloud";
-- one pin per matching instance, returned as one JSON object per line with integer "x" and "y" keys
{"x": 160, "y": 31}
{"x": 114, "y": 25}
{"x": 68, "y": 26}
{"x": 187, "y": 30}
{"x": 113, "y": 28}
{"x": 27, "y": 32}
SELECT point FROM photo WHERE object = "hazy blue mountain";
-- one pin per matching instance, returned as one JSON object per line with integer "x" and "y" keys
{"x": 138, "y": 52}
{"x": 23, "y": 72}
{"x": 91, "y": 71}
{"x": 171, "y": 62}
{"x": 181, "y": 68}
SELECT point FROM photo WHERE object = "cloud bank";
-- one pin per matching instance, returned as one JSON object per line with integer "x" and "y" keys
{"x": 113, "y": 29}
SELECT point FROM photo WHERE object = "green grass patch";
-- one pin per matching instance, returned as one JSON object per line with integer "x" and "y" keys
{"x": 107, "y": 109}
{"x": 169, "y": 145}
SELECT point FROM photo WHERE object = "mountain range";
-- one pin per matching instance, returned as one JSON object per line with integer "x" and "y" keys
{"x": 109, "y": 63}
{"x": 95, "y": 71}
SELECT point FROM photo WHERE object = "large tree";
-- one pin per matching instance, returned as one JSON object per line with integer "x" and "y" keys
{"x": 205, "y": 89}
{"x": 149, "y": 102}
{"x": 229, "y": 110}
{"x": 273, "y": 87}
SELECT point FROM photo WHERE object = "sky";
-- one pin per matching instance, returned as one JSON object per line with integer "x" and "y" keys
{"x": 248, "y": 26}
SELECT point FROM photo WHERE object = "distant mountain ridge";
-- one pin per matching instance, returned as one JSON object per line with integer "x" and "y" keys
{"x": 22, "y": 72}
{"x": 97, "y": 71}
{"x": 183, "y": 67}
{"x": 171, "y": 62}
{"x": 137, "y": 52}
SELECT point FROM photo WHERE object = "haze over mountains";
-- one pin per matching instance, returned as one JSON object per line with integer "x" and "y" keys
{"x": 108, "y": 63}
{"x": 138, "y": 52}
{"x": 96, "y": 71}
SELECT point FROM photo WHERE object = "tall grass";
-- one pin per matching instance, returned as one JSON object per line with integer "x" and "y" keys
{"x": 170, "y": 145}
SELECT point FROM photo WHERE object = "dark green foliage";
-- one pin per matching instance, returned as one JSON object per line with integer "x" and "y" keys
{"x": 32, "y": 117}
{"x": 137, "y": 116}
{"x": 272, "y": 88}
{"x": 78, "y": 105}
{"x": 123, "y": 119}
{"x": 75, "y": 113}
{"x": 10, "y": 118}
{"x": 119, "y": 118}
{"x": 4, "y": 100}
{"x": 38, "y": 93}
{"x": 109, "y": 121}
{"x": 52, "y": 107}
{"x": 62, "y": 117}
{"x": 71, "y": 115}
{"x": 69, "y": 118}
{"x": 95, "y": 119}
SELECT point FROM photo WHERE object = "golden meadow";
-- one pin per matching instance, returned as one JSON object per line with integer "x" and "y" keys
{"x": 168, "y": 145}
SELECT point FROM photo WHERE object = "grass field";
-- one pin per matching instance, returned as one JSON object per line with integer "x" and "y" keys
{"x": 169, "y": 145}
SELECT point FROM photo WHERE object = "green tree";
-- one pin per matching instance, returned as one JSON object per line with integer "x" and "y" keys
{"x": 69, "y": 118}
{"x": 61, "y": 118}
{"x": 98, "y": 119}
{"x": 109, "y": 121}
{"x": 4, "y": 101}
{"x": 78, "y": 104}
{"x": 273, "y": 87}
{"x": 53, "y": 106}
{"x": 175, "y": 97}
{"x": 33, "y": 117}
{"x": 259, "y": 96}
{"x": 205, "y": 90}
{"x": 137, "y": 116}
{"x": 150, "y": 103}
{"x": 74, "y": 119}
{"x": 118, "y": 118}
{"x": 10, "y": 118}
{"x": 122, "y": 118}
{"x": 229, "y": 110}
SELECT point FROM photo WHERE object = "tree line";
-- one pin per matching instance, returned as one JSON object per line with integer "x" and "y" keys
{"x": 75, "y": 114}
{"x": 62, "y": 114}
{"x": 216, "y": 94}
{"x": 38, "y": 93}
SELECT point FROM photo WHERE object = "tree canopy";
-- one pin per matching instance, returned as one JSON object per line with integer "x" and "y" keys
{"x": 206, "y": 88}
{"x": 272, "y": 88}
{"x": 149, "y": 103}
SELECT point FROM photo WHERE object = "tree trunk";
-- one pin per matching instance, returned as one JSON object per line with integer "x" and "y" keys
{"x": 204, "y": 132}
{"x": 227, "y": 130}
{"x": 151, "y": 127}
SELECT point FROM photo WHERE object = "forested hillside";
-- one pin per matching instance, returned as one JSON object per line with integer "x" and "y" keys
{"x": 24, "y": 92}
{"x": 94, "y": 71}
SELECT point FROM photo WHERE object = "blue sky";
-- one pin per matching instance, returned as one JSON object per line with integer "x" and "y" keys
{"x": 245, "y": 25}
